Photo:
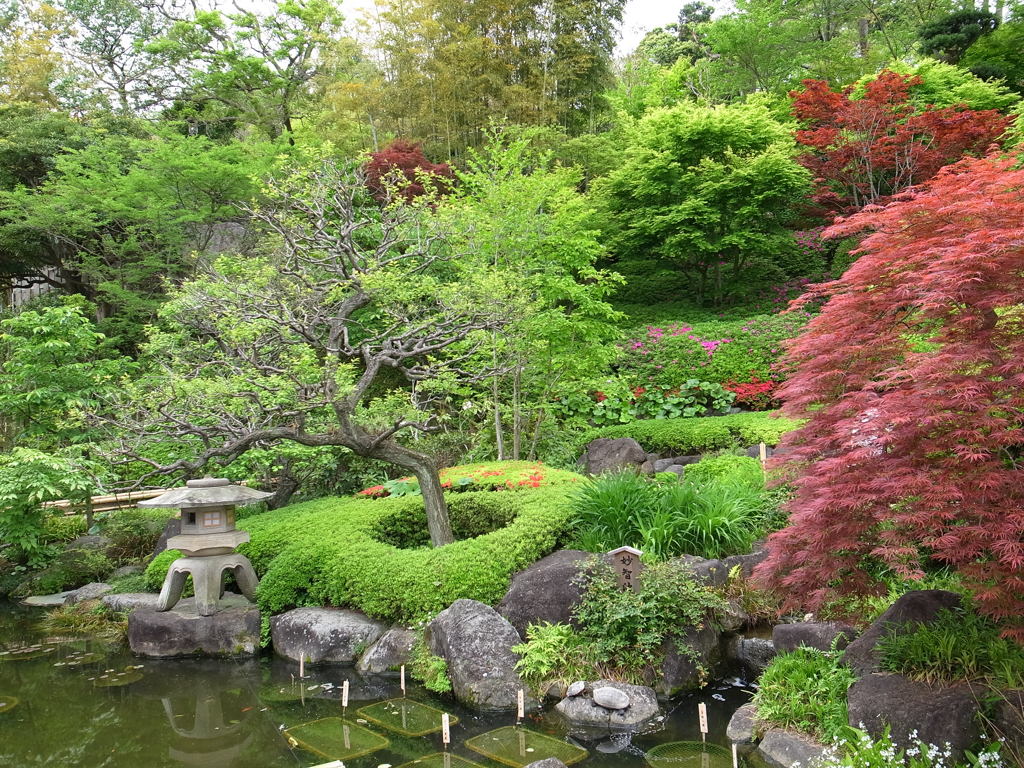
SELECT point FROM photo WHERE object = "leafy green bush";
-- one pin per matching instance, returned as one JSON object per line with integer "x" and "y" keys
{"x": 805, "y": 690}
{"x": 741, "y": 469}
{"x": 716, "y": 518}
{"x": 70, "y": 569}
{"x": 622, "y": 634}
{"x": 485, "y": 476}
{"x": 554, "y": 653}
{"x": 63, "y": 527}
{"x": 324, "y": 552}
{"x": 133, "y": 532}
{"x": 157, "y": 569}
{"x": 471, "y": 515}
{"x": 429, "y": 669}
{"x": 702, "y": 434}
{"x": 613, "y": 401}
{"x": 959, "y": 645}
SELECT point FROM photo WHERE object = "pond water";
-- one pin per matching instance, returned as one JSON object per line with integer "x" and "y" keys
{"x": 82, "y": 703}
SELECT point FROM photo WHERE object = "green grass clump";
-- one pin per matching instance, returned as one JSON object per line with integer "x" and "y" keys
{"x": 718, "y": 516}
{"x": 742, "y": 469}
{"x": 700, "y": 434}
{"x": 805, "y": 690}
{"x": 958, "y": 645}
{"x": 331, "y": 552}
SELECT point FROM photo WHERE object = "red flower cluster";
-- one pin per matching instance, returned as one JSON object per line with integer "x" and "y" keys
{"x": 756, "y": 394}
{"x": 374, "y": 492}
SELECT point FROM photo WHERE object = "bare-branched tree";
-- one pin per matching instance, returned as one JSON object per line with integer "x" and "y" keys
{"x": 345, "y": 332}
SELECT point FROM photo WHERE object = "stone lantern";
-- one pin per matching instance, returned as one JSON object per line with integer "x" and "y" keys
{"x": 207, "y": 540}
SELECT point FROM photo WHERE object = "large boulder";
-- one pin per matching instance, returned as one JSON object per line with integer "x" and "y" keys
{"x": 585, "y": 716}
{"x": 233, "y": 630}
{"x": 546, "y": 591}
{"x": 476, "y": 643}
{"x": 905, "y": 615}
{"x": 820, "y": 635}
{"x": 1008, "y": 720}
{"x": 128, "y": 601}
{"x": 711, "y": 573}
{"x": 171, "y": 528}
{"x": 938, "y": 715}
{"x": 688, "y": 671}
{"x": 783, "y": 749}
{"x": 392, "y": 650}
{"x": 607, "y": 454}
{"x": 752, "y": 654}
{"x": 748, "y": 562}
{"x": 92, "y": 591}
{"x": 323, "y": 635}
{"x": 742, "y": 728}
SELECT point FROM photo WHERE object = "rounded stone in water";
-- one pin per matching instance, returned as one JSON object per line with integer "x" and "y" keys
{"x": 689, "y": 754}
{"x": 611, "y": 698}
{"x": 575, "y": 689}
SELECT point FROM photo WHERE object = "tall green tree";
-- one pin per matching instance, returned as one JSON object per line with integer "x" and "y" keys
{"x": 709, "y": 191}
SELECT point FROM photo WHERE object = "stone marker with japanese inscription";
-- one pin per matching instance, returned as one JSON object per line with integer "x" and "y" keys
{"x": 627, "y": 565}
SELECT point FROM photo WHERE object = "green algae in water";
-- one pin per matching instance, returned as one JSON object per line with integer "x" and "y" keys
{"x": 407, "y": 717}
{"x": 335, "y": 738}
{"x": 440, "y": 760}
{"x": 518, "y": 747}
{"x": 272, "y": 694}
{"x": 689, "y": 754}
{"x": 7, "y": 703}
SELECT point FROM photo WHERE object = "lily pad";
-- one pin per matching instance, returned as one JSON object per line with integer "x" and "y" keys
{"x": 115, "y": 679}
{"x": 408, "y": 717}
{"x": 7, "y": 703}
{"x": 26, "y": 652}
{"x": 689, "y": 754}
{"x": 335, "y": 738}
{"x": 440, "y": 760}
{"x": 78, "y": 659}
{"x": 516, "y": 746}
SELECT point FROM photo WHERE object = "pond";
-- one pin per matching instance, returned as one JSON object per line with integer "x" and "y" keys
{"x": 83, "y": 703}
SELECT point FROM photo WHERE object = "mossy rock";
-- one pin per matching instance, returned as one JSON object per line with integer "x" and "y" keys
{"x": 71, "y": 569}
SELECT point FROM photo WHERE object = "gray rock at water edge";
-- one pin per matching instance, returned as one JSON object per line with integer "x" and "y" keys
{"x": 476, "y": 643}
{"x": 813, "y": 634}
{"x": 741, "y": 730}
{"x": 782, "y": 749}
{"x": 128, "y": 601}
{"x": 712, "y": 573}
{"x": 754, "y": 654}
{"x": 548, "y": 762}
{"x": 584, "y": 715}
{"x": 754, "y": 451}
{"x": 126, "y": 570}
{"x": 611, "y": 698}
{"x": 92, "y": 591}
{"x": 323, "y": 635}
{"x": 611, "y": 454}
{"x": 575, "y": 689}
{"x": 732, "y": 617}
{"x": 903, "y": 616}
{"x": 938, "y": 714}
{"x": 392, "y": 650}
{"x": 546, "y": 591}
{"x": 233, "y": 630}
{"x": 614, "y": 743}
{"x": 47, "y": 601}
{"x": 682, "y": 671}
{"x": 665, "y": 465}
{"x": 171, "y": 528}
{"x": 1008, "y": 721}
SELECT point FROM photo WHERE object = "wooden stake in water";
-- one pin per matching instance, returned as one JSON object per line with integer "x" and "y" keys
{"x": 302, "y": 666}
{"x": 344, "y": 696}
{"x": 735, "y": 758}
{"x": 446, "y": 734}
{"x": 702, "y": 717}
{"x": 401, "y": 678}
{"x": 520, "y": 705}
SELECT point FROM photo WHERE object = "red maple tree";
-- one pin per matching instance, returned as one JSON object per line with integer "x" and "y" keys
{"x": 863, "y": 150}
{"x": 912, "y": 381}
{"x": 402, "y": 165}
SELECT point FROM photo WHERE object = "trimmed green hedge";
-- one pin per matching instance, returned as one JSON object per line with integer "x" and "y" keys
{"x": 330, "y": 552}
{"x": 700, "y": 434}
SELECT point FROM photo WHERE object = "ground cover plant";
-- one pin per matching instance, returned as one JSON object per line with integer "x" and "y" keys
{"x": 805, "y": 690}
{"x": 369, "y": 553}
{"x": 681, "y": 437}
{"x": 856, "y": 749}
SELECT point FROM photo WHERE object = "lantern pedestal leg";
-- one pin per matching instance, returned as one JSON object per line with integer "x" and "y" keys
{"x": 208, "y": 579}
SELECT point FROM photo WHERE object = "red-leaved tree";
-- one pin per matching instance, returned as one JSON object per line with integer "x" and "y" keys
{"x": 402, "y": 165}
{"x": 912, "y": 381}
{"x": 863, "y": 150}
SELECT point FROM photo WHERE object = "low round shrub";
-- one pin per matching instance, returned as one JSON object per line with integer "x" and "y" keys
{"x": 330, "y": 552}
{"x": 742, "y": 469}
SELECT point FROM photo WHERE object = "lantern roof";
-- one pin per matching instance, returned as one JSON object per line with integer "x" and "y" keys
{"x": 207, "y": 492}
